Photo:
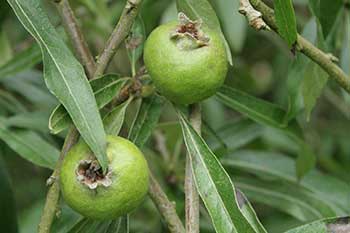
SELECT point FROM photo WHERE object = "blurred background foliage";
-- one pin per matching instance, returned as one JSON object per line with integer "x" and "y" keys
{"x": 260, "y": 159}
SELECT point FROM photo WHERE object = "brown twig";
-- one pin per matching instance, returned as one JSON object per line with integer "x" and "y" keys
{"x": 53, "y": 193}
{"x": 191, "y": 194}
{"x": 119, "y": 33}
{"x": 324, "y": 60}
{"x": 165, "y": 207}
{"x": 79, "y": 43}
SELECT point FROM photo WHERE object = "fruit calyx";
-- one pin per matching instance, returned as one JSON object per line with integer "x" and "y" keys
{"x": 188, "y": 35}
{"x": 89, "y": 172}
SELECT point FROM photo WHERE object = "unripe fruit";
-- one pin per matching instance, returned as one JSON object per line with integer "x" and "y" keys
{"x": 186, "y": 61}
{"x": 95, "y": 195}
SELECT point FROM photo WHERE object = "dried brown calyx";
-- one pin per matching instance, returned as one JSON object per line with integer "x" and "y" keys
{"x": 189, "y": 35}
{"x": 89, "y": 172}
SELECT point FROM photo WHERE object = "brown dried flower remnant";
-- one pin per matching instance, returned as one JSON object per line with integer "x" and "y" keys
{"x": 89, "y": 172}
{"x": 190, "y": 29}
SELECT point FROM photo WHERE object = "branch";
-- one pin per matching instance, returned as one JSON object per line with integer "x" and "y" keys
{"x": 53, "y": 194}
{"x": 165, "y": 207}
{"x": 192, "y": 198}
{"x": 119, "y": 33}
{"x": 324, "y": 60}
{"x": 254, "y": 17}
{"x": 79, "y": 43}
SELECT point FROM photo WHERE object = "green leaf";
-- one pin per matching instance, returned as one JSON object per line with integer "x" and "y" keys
{"x": 146, "y": 120}
{"x": 267, "y": 164}
{"x": 29, "y": 145}
{"x": 306, "y": 161}
{"x": 296, "y": 74}
{"x": 237, "y": 134}
{"x": 135, "y": 42}
{"x": 10, "y": 103}
{"x": 294, "y": 200}
{"x": 315, "y": 78}
{"x": 31, "y": 91}
{"x": 345, "y": 54}
{"x": 64, "y": 76}
{"x": 114, "y": 120}
{"x": 85, "y": 225}
{"x": 5, "y": 46}
{"x": 286, "y": 22}
{"x": 214, "y": 185}
{"x": 21, "y": 61}
{"x": 271, "y": 115}
{"x": 8, "y": 216}
{"x": 29, "y": 120}
{"x": 329, "y": 12}
{"x": 258, "y": 110}
{"x": 201, "y": 9}
{"x": 104, "y": 88}
{"x": 336, "y": 225}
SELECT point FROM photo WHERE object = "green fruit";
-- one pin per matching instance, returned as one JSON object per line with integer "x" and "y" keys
{"x": 98, "y": 196}
{"x": 187, "y": 62}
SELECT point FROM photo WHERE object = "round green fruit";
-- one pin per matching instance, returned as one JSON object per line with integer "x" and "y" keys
{"x": 104, "y": 196}
{"x": 186, "y": 61}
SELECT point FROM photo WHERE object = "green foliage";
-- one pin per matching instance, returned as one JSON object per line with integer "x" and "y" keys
{"x": 60, "y": 66}
{"x": 286, "y": 22}
{"x": 273, "y": 153}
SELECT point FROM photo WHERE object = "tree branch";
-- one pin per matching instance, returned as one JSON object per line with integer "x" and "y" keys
{"x": 192, "y": 198}
{"x": 119, "y": 33}
{"x": 79, "y": 43}
{"x": 323, "y": 59}
{"x": 165, "y": 207}
{"x": 53, "y": 193}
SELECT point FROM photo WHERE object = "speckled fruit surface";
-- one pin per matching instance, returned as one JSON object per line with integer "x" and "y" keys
{"x": 185, "y": 76}
{"x": 128, "y": 174}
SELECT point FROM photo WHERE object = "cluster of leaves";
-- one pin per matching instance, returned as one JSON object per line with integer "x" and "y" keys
{"x": 258, "y": 148}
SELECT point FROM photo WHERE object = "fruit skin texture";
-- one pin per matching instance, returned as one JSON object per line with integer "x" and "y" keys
{"x": 129, "y": 181}
{"x": 185, "y": 76}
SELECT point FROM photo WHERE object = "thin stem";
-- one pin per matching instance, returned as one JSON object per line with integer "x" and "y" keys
{"x": 119, "y": 33}
{"x": 191, "y": 194}
{"x": 165, "y": 207}
{"x": 324, "y": 60}
{"x": 79, "y": 43}
{"x": 53, "y": 193}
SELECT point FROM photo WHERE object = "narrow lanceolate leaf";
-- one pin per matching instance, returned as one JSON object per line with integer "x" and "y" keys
{"x": 120, "y": 225}
{"x": 289, "y": 198}
{"x": 29, "y": 145}
{"x": 104, "y": 88}
{"x": 334, "y": 225}
{"x": 329, "y": 12}
{"x": 114, "y": 120}
{"x": 258, "y": 110}
{"x": 330, "y": 190}
{"x": 146, "y": 120}
{"x": 215, "y": 186}
{"x": 271, "y": 115}
{"x": 202, "y": 10}
{"x": 286, "y": 22}
{"x": 64, "y": 76}
{"x": 21, "y": 61}
{"x": 135, "y": 42}
{"x": 8, "y": 216}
